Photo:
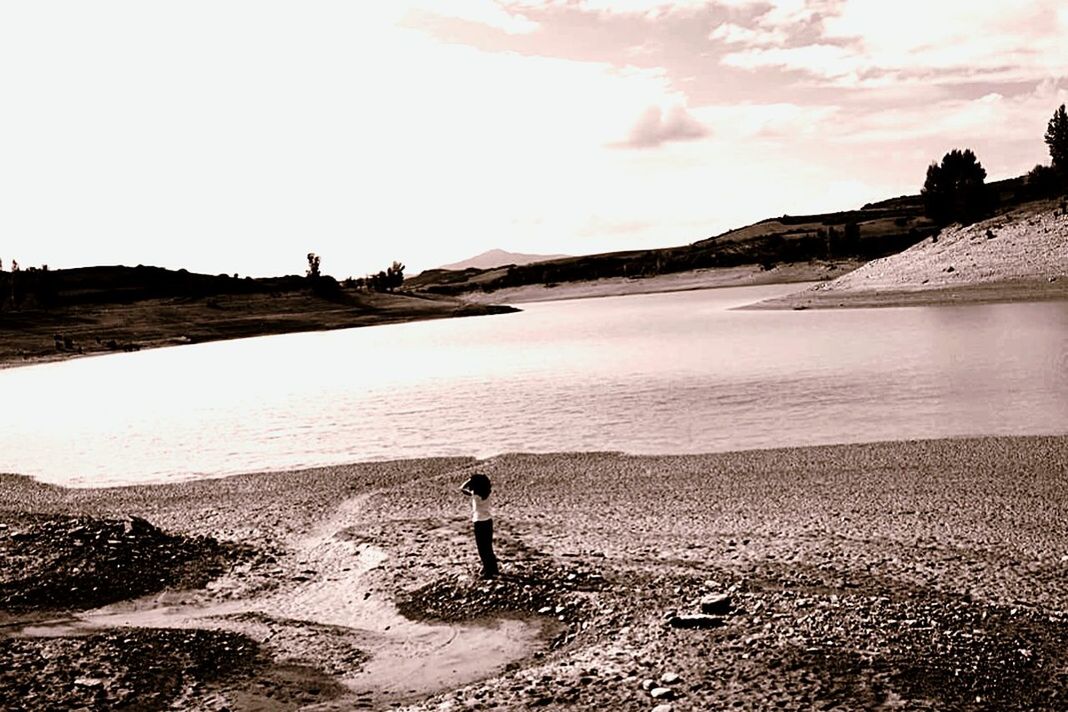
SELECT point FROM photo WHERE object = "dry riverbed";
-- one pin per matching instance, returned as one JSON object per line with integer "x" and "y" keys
{"x": 915, "y": 575}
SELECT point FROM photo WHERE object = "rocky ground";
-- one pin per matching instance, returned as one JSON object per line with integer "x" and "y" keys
{"x": 922, "y": 575}
{"x": 72, "y": 563}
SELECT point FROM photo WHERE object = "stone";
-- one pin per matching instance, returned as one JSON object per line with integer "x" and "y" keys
{"x": 669, "y": 678}
{"x": 662, "y": 693}
{"x": 648, "y": 684}
{"x": 716, "y": 604}
{"x": 666, "y": 707}
{"x": 697, "y": 620}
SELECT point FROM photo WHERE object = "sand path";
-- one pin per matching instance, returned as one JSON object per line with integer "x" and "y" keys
{"x": 330, "y": 616}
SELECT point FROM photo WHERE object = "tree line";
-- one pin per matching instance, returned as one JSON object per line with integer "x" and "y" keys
{"x": 386, "y": 280}
{"x": 955, "y": 191}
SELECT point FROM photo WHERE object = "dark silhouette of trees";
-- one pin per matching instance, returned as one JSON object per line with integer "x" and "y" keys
{"x": 388, "y": 279}
{"x": 1057, "y": 140}
{"x": 1043, "y": 181}
{"x": 954, "y": 189}
{"x": 313, "y": 265}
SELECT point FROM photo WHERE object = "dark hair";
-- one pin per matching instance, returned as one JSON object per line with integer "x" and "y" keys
{"x": 480, "y": 485}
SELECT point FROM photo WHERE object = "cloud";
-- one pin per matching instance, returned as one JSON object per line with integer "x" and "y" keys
{"x": 482, "y": 12}
{"x": 731, "y": 33}
{"x": 859, "y": 42}
{"x": 830, "y": 61}
{"x": 650, "y": 9}
{"x": 655, "y": 128}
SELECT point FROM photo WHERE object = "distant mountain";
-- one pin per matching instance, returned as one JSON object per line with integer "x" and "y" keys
{"x": 498, "y": 258}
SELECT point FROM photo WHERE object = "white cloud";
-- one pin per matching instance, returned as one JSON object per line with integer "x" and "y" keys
{"x": 651, "y": 9}
{"x": 825, "y": 60}
{"x": 872, "y": 42}
{"x": 731, "y": 33}
{"x": 655, "y": 128}
{"x": 484, "y": 12}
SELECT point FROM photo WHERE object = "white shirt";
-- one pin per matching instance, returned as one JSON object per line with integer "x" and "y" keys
{"x": 480, "y": 509}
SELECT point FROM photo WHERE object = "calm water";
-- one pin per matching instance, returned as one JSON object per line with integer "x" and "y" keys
{"x": 663, "y": 373}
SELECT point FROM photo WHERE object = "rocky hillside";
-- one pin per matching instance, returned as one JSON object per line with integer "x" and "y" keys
{"x": 1030, "y": 242}
{"x": 1020, "y": 254}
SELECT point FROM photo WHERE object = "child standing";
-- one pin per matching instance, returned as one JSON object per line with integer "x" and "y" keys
{"x": 478, "y": 488}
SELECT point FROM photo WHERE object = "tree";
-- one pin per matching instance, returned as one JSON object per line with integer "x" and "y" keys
{"x": 313, "y": 265}
{"x": 394, "y": 275}
{"x": 1057, "y": 140}
{"x": 954, "y": 190}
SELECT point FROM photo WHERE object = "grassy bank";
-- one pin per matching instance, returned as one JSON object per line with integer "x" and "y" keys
{"x": 37, "y": 334}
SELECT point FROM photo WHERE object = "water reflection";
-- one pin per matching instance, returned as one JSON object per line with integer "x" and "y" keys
{"x": 665, "y": 373}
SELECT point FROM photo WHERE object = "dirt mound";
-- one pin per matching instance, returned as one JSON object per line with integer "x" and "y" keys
{"x": 532, "y": 587}
{"x": 64, "y": 562}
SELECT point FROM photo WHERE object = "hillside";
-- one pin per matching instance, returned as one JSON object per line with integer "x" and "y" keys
{"x": 1020, "y": 254}
{"x": 872, "y": 231}
{"x": 48, "y": 315}
{"x": 498, "y": 258}
{"x": 843, "y": 238}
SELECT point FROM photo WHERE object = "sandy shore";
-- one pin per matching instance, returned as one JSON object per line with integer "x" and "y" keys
{"x": 744, "y": 276}
{"x": 915, "y": 575}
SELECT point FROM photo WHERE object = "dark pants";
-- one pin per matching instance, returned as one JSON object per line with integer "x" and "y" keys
{"x": 484, "y": 542}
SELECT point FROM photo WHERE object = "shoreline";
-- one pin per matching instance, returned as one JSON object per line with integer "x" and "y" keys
{"x": 822, "y": 551}
{"x": 710, "y": 278}
{"x": 34, "y": 347}
{"x": 1000, "y": 292}
{"x": 35, "y": 337}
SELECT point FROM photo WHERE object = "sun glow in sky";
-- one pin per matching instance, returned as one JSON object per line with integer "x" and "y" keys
{"x": 236, "y": 136}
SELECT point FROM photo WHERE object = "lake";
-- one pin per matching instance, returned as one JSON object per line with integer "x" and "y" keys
{"x": 651, "y": 374}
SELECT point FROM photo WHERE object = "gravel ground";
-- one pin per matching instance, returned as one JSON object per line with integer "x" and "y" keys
{"x": 910, "y": 575}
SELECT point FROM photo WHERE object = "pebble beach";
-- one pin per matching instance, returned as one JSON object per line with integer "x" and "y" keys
{"x": 903, "y": 575}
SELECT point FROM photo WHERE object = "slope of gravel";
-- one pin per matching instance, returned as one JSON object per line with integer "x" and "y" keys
{"x": 1030, "y": 242}
{"x": 1020, "y": 255}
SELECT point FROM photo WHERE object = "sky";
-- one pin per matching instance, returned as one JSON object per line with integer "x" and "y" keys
{"x": 237, "y": 136}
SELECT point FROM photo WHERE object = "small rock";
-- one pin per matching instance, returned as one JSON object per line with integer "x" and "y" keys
{"x": 716, "y": 604}
{"x": 666, "y": 707}
{"x": 698, "y": 620}
{"x": 88, "y": 682}
{"x": 662, "y": 693}
{"x": 648, "y": 684}
{"x": 669, "y": 678}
